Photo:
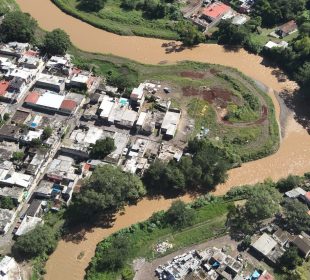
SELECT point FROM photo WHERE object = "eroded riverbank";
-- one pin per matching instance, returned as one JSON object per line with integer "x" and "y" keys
{"x": 292, "y": 157}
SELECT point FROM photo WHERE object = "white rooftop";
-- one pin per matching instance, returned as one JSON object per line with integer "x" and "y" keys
{"x": 18, "y": 179}
{"x": 50, "y": 100}
{"x": 106, "y": 106}
{"x": 265, "y": 244}
{"x": 28, "y": 223}
{"x": 50, "y": 79}
{"x": 80, "y": 78}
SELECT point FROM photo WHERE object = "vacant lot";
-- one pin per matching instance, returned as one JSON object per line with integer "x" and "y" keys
{"x": 115, "y": 19}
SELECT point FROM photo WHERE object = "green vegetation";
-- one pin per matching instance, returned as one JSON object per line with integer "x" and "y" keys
{"x": 18, "y": 156}
{"x": 139, "y": 240}
{"x": 47, "y": 132}
{"x": 8, "y": 6}
{"x": 245, "y": 220}
{"x": 117, "y": 17}
{"x": 102, "y": 148}
{"x": 104, "y": 193}
{"x": 204, "y": 169}
{"x": 296, "y": 216}
{"x": 290, "y": 259}
{"x": 7, "y": 203}
{"x": 179, "y": 216}
{"x": 56, "y": 42}
{"x": 18, "y": 26}
{"x": 247, "y": 141}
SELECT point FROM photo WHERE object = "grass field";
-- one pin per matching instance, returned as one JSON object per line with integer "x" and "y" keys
{"x": 117, "y": 20}
{"x": 246, "y": 137}
{"x": 209, "y": 222}
{"x": 7, "y": 6}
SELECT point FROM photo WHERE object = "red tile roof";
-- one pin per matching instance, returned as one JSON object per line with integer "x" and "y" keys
{"x": 216, "y": 10}
{"x": 32, "y": 97}
{"x": 31, "y": 53}
{"x": 307, "y": 195}
{"x": 266, "y": 276}
{"x": 68, "y": 104}
{"x": 3, "y": 87}
{"x": 288, "y": 27}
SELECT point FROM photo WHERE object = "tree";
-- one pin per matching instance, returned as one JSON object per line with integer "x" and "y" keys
{"x": 189, "y": 33}
{"x": 108, "y": 189}
{"x": 296, "y": 216}
{"x": 17, "y": 156}
{"x": 303, "y": 74}
{"x": 7, "y": 203}
{"x": 18, "y": 26}
{"x": 56, "y": 42}
{"x": 47, "y": 132}
{"x": 114, "y": 256}
{"x": 39, "y": 241}
{"x": 290, "y": 259}
{"x": 91, "y": 5}
{"x": 289, "y": 183}
{"x": 232, "y": 34}
{"x": 102, "y": 148}
{"x": 179, "y": 215}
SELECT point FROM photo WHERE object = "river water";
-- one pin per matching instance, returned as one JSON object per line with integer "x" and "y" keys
{"x": 70, "y": 259}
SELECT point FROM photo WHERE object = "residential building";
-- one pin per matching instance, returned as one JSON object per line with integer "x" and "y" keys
{"x": 9, "y": 269}
{"x": 44, "y": 189}
{"x": 14, "y": 49}
{"x": 295, "y": 193}
{"x": 10, "y": 132}
{"x": 51, "y": 82}
{"x": 28, "y": 223}
{"x": 6, "y": 220}
{"x": 215, "y": 11}
{"x": 170, "y": 123}
{"x": 302, "y": 242}
{"x": 61, "y": 169}
{"x": 35, "y": 208}
{"x": 287, "y": 29}
{"x": 30, "y": 61}
{"x": 137, "y": 95}
{"x": 16, "y": 193}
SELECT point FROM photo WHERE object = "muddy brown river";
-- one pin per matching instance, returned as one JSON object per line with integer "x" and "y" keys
{"x": 70, "y": 259}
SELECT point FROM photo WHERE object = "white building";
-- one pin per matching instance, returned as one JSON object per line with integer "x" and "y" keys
{"x": 9, "y": 269}
{"x": 51, "y": 82}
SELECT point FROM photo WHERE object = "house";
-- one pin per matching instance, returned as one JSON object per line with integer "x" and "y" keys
{"x": 17, "y": 84}
{"x": 4, "y": 85}
{"x": 9, "y": 269}
{"x": 61, "y": 169}
{"x": 9, "y": 132}
{"x": 307, "y": 198}
{"x": 50, "y": 82}
{"x": 137, "y": 95}
{"x": 35, "y": 164}
{"x": 302, "y": 242}
{"x": 28, "y": 223}
{"x": 271, "y": 44}
{"x": 30, "y": 61}
{"x": 282, "y": 237}
{"x": 215, "y": 11}
{"x": 265, "y": 276}
{"x": 14, "y": 49}
{"x": 268, "y": 249}
{"x": 31, "y": 135}
{"x": 295, "y": 193}
{"x": 170, "y": 123}
{"x": 286, "y": 29}
{"x": 35, "y": 208}
{"x": 23, "y": 73}
{"x": 4, "y": 109}
{"x": 44, "y": 189}
{"x": 145, "y": 124}
{"x": 16, "y": 193}
{"x": 6, "y": 220}
{"x": 17, "y": 179}
{"x": 81, "y": 80}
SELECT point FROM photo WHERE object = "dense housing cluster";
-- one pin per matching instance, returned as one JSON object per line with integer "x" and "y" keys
{"x": 53, "y": 114}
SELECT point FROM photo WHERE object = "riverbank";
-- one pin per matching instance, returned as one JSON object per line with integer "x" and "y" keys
{"x": 113, "y": 18}
{"x": 292, "y": 157}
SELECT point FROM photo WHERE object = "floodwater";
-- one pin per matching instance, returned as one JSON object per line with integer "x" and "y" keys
{"x": 70, "y": 259}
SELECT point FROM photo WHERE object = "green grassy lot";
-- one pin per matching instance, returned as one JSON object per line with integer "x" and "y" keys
{"x": 250, "y": 141}
{"x": 209, "y": 222}
{"x": 117, "y": 20}
{"x": 7, "y": 6}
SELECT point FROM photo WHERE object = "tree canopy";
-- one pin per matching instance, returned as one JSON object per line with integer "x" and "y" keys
{"x": 18, "y": 26}
{"x": 42, "y": 240}
{"x": 296, "y": 216}
{"x": 189, "y": 33}
{"x": 262, "y": 203}
{"x": 179, "y": 215}
{"x": 290, "y": 259}
{"x": 102, "y": 148}
{"x": 56, "y": 42}
{"x": 108, "y": 189}
{"x": 91, "y": 5}
{"x": 204, "y": 169}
